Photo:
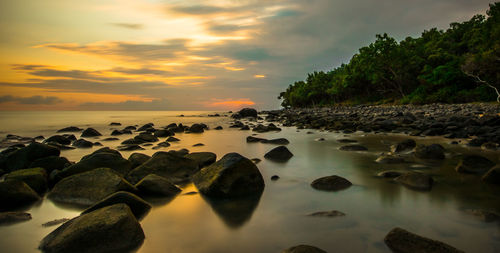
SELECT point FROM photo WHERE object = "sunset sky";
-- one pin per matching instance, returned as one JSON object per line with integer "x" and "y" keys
{"x": 190, "y": 54}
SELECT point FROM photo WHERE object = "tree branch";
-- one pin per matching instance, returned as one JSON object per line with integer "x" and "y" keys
{"x": 477, "y": 79}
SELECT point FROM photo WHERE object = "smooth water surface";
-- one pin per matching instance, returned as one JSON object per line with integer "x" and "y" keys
{"x": 278, "y": 219}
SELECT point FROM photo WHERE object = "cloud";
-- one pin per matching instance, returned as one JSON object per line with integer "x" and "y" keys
{"x": 129, "y": 25}
{"x": 34, "y": 100}
{"x": 130, "y": 105}
{"x": 231, "y": 103}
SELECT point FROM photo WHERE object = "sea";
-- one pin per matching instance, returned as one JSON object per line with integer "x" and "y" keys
{"x": 279, "y": 218}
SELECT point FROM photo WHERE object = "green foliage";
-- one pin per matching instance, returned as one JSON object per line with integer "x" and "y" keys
{"x": 438, "y": 66}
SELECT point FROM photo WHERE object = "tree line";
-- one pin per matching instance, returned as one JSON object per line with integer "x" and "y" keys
{"x": 461, "y": 64}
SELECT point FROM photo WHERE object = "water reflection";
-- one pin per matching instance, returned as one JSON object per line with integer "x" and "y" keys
{"x": 234, "y": 212}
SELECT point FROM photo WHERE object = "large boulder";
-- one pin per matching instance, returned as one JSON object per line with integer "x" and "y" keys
{"x": 154, "y": 185}
{"x": 303, "y": 249}
{"x": 331, "y": 183}
{"x": 98, "y": 160}
{"x": 400, "y": 240}
{"x": 109, "y": 229}
{"x": 474, "y": 164}
{"x": 82, "y": 143}
{"x": 163, "y": 133}
{"x": 166, "y": 164}
{"x": 70, "y": 129}
{"x": 88, "y": 188}
{"x": 90, "y": 132}
{"x": 196, "y": 128}
{"x": 202, "y": 158}
{"x": 233, "y": 175}
{"x": 138, "y": 206}
{"x": 58, "y": 139}
{"x": 51, "y": 163}
{"x": 15, "y": 194}
{"x": 433, "y": 151}
{"x": 145, "y": 137}
{"x": 279, "y": 154}
{"x": 492, "y": 176}
{"x": 403, "y": 146}
{"x": 23, "y": 157}
{"x": 415, "y": 180}
{"x": 245, "y": 112}
{"x": 36, "y": 178}
{"x": 137, "y": 159}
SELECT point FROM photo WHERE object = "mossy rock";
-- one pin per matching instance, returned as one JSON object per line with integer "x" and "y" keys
{"x": 15, "y": 194}
{"x": 400, "y": 240}
{"x": 202, "y": 158}
{"x": 23, "y": 157}
{"x": 98, "y": 160}
{"x": 154, "y": 185}
{"x": 138, "y": 206}
{"x": 36, "y": 178}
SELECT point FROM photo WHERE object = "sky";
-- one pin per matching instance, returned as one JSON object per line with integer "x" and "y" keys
{"x": 190, "y": 54}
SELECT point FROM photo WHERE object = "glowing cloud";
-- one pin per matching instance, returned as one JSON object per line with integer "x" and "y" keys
{"x": 232, "y": 103}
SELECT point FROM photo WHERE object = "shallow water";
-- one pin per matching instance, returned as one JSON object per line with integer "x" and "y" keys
{"x": 278, "y": 220}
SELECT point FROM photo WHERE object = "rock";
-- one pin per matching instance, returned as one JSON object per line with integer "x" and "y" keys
{"x": 133, "y": 141}
{"x": 203, "y": 159}
{"x": 196, "y": 128}
{"x": 275, "y": 177}
{"x": 70, "y": 129}
{"x": 252, "y": 139}
{"x": 138, "y": 206}
{"x": 492, "y": 176}
{"x": 154, "y": 185}
{"x": 278, "y": 141}
{"x": 433, "y": 151}
{"x": 110, "y": 139}
{"x": 181, "y": 152}
{"x": 319, "y": 139}
{"x": 7, "y": 218}
{"x": 58, "y": 139}
{"x": 331, "y": 183}
{"x": 23, "y": 157}
{"x": 131, "y": 147}
{"x": 115, "y": 124}
{"x": 353, "y": 147}
{"x": 400, "y": 240}
{"x": 88, "y": 188}
{"x": 163, "y": 133}
{"x": 82, "y": 143}
{"x": 146, "y": 137}
{"x": 106, "y": 158}
{"x": 54, "y": 222}
{"x": 136, "y": 159}
{"x": 347, "y": 141}
{"x": 218, "y": 128}
{"x": 90, "y": 132}
{"x": 390, "y": 173}
{"x": 116, "y": 132}
{"x": 172, "y": 139}
{"x": 474, "y": 164}
{"x": 146, "y": 127}
{"x": 484, "y": 215}
{"x": 130, "y": 128}
{"x": 390, "y": 159}
{"x": 245, "y": 112}
{"x": 198, "y": 145}
{"x": 109, "y": 229}
{"x": 174, "y": 167}
{"x": 35, "y": 178}
{"x": 333, "y": 213}
{"x": 255, "y": 160}
{"x": 403, "y": 146}
{"x": 415, "y": 180}
{"x": 303, "y": 249}
{"x": 15, "y": 194}
{"x": 59, "y": 146}
{"x": 51, "y": 163}
{"x": 233, "y": 175}
{"x": 279, "y": 154}
{"x": 245, "y": 127}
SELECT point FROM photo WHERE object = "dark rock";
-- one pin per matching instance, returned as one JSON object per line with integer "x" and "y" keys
{"x": 255, "y": 160}
{"x": 70, "y": 129}
{"x": 70, "y": 137}
{"x": 88, "y": 188}
{"x": 54, "y": 222}
{"x": 245, "y": 112}
{"x": 333, "y": 213}
{"x": 90, "y": 132}
{"x": 172, "y": 166}
{"x": 23, "y": 157}
{"x": 275, "y": 177}
{"x": 278, "y": 141}
{"x": 116, "y": 132}
{"x": 98, "y": 144}
{"x": 433, "y": 151}
{"x": 109, "y": 229}
{"x": 39, "y": 137}
{"x": 115, "y": 124}
{"x": 245, "y": 127}
{"x": 390, "y": 173}
{"x": 196, "y": 128}
{"x": 35, "y": 178}
{"x": 59, "y": 146}
{"x": 138, "y": 206}
{"x": 347, "y": 141}
{"x": 390, "y": 159}
{"x": 164, "y": 144}
{"x": 400, "y": 240}
{"x": 218, "y": 128}
{"x": 110, "y": 139}
{"x": 353, "y": 147}
{"x": 130, "y": 128}
{"x": 58, "y": 139}
{"x": 7, "y": 218}
{"x": 181, "y": 152}
{"x": 489, "y": 146}
{"x": 81, "y": 143}
{"x": 163, "y": 133}
{"x": 198, "y": 145}
{"x": 203, "y": 159}
{"x": 279, "y": 154}
{"x": 103, "y": 159}
{"x": 251, "y": 139}
{"x": 403, "y": 146}
{"x": 492, "y": 176}
{"x": 154, "y": 185}
{"x": 474, "y": 164}
{"x": 233, "y": 175}
{"x": 133, "y": 141}
{"x": 303, "y": 249}
{"x": 130, "y": 147}
{"x": 15, "y": 194}
{"x": 146, "y": 137}
{"x": 331, "y": 183}
{"x": 319, "y": 139}
{"x": 145, "y": 127}
{"x": 102, "y": 150}
{"x": 172, "y": 139}
{"x": 136, "y": 159}
{"x": 51, "y": 163}
{"x": 416, "y": 181}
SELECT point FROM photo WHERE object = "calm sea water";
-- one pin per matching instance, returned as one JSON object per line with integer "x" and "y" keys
{"x": 278, "y": 220}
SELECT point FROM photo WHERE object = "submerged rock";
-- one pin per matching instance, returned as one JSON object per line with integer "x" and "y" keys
{"x": 15, "y": 194}
{"x": 275, "y": 177}
{"x": 406, "y": 145}
{"x": 433, "y": 151}
{"x": 353, "y": 147}
{"x": 13, "y": 217}
{"x": 90, "y": 132}
{"x": 279, "y": 154}
{"x": 278, "y": 141}
{"x": 333, "y": 213}
{"x": 331, "y": 183}
{"x": 303, "y": 249}
{"x": 82, "y": 143}
{"x": 202, "y": 158}
{"x": 138, "y": 206}
{"x": 196, "y": 128}
{"x": 252, "y": 139}
{"x": 154, "y": 185}
{"x": 390, "y": 159}
{"x": 54, "y": 222}
{"x": 415, "y": 180}
{"x": 347, "y": 141}
{"x": 390, "y": 173}
{"x": 400, "y": 240}
{"x": 474, "y": 164}
{"x": 233, "y": 175}
{"x": 172, "y": 139}
{"x": 109, "y": 229}
{"x": 58, "y": 139}
{"x": 70, "y": 129}
{"x": 88, "y": 188}
{"x": 36, "y": 178}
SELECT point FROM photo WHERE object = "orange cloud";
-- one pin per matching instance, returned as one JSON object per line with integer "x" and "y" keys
{"x": 232, "y": 103}
{"x": 259, "y": 76}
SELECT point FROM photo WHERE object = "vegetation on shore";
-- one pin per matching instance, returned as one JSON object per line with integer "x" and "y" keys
{"x": 461, "y": 64}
